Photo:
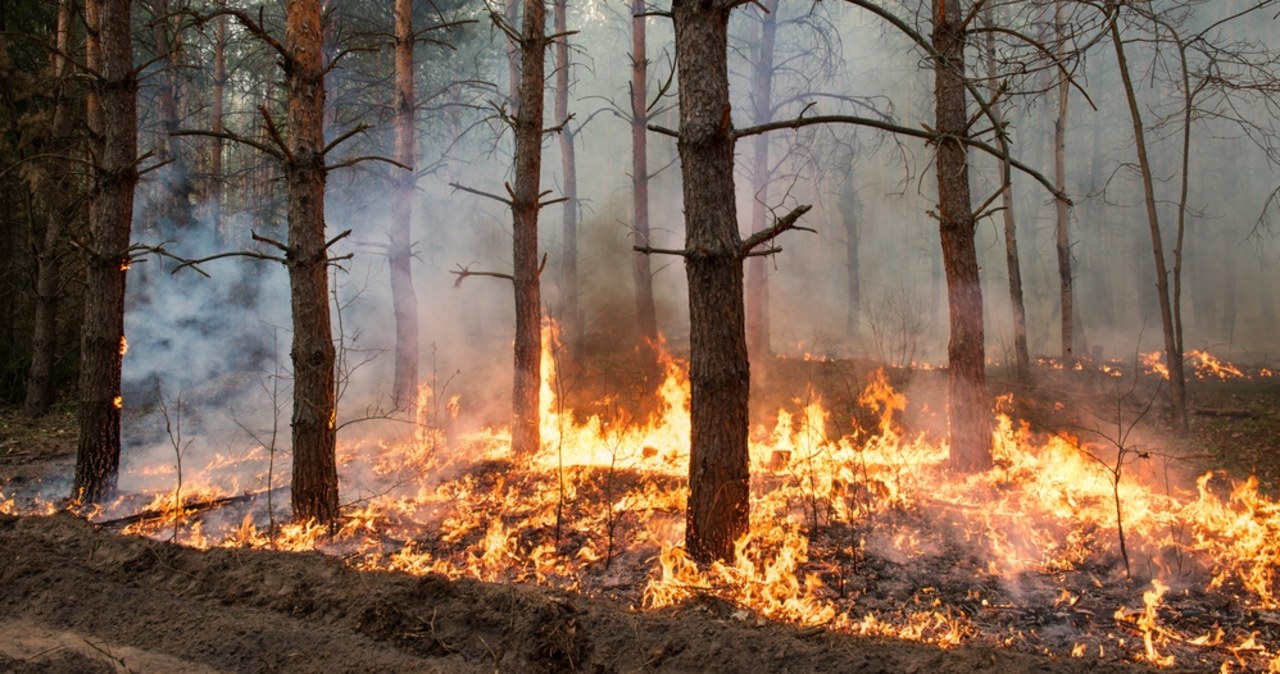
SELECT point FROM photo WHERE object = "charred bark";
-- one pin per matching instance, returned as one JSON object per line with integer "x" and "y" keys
{"x": 403, "y": 298}
{"x": 315, "y": 472}
{"x": 719, "y": 370}
{"x": 969, "y": 410}
{"x": 112, "y": 115}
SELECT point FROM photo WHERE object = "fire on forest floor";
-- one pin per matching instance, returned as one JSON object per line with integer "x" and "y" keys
{"x": 1094, "y": 541}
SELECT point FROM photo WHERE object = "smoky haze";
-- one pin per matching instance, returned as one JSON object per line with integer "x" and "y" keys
{"x": 221, "y": 343}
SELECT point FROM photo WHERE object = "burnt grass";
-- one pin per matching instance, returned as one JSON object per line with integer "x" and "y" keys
{"x": 75, "y": 597}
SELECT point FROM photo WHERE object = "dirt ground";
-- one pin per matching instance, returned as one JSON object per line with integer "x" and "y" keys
{"x": 79, "y": 599}
{"x": 75, "y": 597}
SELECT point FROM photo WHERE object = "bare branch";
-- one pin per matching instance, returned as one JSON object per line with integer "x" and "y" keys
{"x": 490, "y": 195}
{"x": 783, "y": 224}
{"x": 463, "y": 272}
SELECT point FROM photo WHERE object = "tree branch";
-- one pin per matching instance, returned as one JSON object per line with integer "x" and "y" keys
{"x": 495, "y": 197}
{"x": 783, "y": 224}
{"x": 463, "y": 272}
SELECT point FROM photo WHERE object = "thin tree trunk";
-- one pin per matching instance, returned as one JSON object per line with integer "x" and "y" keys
{"x": 848, "y": 208}
{"x": 44, "y": 339}
{"x": 525, "y": 438}
{"x": 403, "y": 298}
{"x": 1013, "y": 261}
{"x": 218, "y": 112}
{"x": 1063, "y": 238}
{"x": 570, "y": 317}
{"x": 113, "y": 124}
{"x": 642, "y": 271}
{"x": 513, "y": 61}
{"x": 719, "y": 371}
{"x": 175, "y": 205}
{"x": 761, "y": 112}
{"x": 315, "y": 472}
{"x": 1173, "y": 354}
{"x": 969, "y": 411}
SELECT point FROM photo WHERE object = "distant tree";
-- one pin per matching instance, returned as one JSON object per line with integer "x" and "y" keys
{"x": 570, "y": 315}
{"x": 642, "y": 270}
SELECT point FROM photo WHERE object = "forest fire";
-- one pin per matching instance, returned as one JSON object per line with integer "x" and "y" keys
{"x": 864, "y": 532}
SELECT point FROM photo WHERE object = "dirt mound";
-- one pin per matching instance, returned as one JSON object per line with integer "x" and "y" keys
{"x": 79, "y": 599}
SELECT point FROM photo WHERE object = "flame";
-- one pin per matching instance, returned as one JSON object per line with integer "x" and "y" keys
{"x": 600, "y": 507}
{"x": 124, "y": 345}
{"x": 118, "y": 402}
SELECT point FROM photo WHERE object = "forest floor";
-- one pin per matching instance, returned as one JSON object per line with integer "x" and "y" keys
{"x": 79, "y": 597}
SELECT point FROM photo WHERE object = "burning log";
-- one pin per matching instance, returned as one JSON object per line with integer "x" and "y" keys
{"x": 190, "y": 508}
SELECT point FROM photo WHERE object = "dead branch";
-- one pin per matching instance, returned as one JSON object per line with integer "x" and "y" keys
{"x": 189, "y": 508}
{"x": 463, "y": 272}
{"x": 783, "y": 224}
{"x": 490, "y": 195}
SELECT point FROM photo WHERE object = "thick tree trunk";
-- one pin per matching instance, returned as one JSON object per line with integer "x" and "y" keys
{"x": 570, "y": 316}
{"x": 761, "y": 112}
{"x": 403, "y": 298}
{"x": 524, "y": 206}
{"x": 1173, "y": 353}
{"x": 44, "y": 339}
{"x": 642, "y": 271}
{"x": 113, "y": 124}
{"x": 969, "y": 410}
{"x": 719, "y": 370}
{"x": 315, "y": 472}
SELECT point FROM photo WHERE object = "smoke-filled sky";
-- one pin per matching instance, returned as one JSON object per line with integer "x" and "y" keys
{"x": 195, "y": 336}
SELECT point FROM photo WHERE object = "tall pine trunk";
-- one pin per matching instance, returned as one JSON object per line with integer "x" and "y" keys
{"x": 44, "y": 339}
{"x": 969, "y": 410}
{"x": 761, "y": 112}
{"x": 719, "y": 370}
{"x": 524, "y": 207}
{"x": 216, "y": 194}
{"x": 570, "y": 315}
{"x": 315, "y": 472}
{"x": 1063, "y": 237}
{"x": 403, "y": 298}
{"x": 1013, "y": 261}
{"x": 112, "y": 117}
{"x": 642, "y": 271}
{"x": 1172, "y": 350}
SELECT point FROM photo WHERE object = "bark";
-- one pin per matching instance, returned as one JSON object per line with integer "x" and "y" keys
{"x": 1013, "y": 261}
{"x": 570, "y": 316}
{"x": 642, "y": 271}
{"x": 524, "y": 206}
{"x": 969, "y": 410}
{"x": 761, "y": 112}
{"x": 1173, "y": 353}
{"x": 719, "y": 371}
{"x": 1063, "y": 238}
{"x": 403, "y": 298}
{"x": 315, "y": 473}
{"x": 44, "y": 339}
{"x": 113, "y": 119}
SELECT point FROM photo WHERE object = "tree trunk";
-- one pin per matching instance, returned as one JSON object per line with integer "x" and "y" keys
{"x": 403, "y": 298}
{"x": 848, "y": 208}
{"x": 513, "y": 60}
{"x": 761, "y": 112}
{"x": 215, "y": 154}
{"x": 44, "y": 340}
{"x": 524, "y": 207}
{"x": 1013, "y": 261}
{"x": 719, "y": 370}
{"x": 315, "y": 472}
{"x": 113, "y": 125}
{"x": 570, "y": 318}
{"x": 1173, "y": 354}
{"x": 1063, "y": 238}
{"x": 642, "y": 271}
{"x": 969, "y": 411}
{"x": 174, "y": 207}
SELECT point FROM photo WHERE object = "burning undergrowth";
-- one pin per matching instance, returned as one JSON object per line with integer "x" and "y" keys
{"x": 1083, "y": 545}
